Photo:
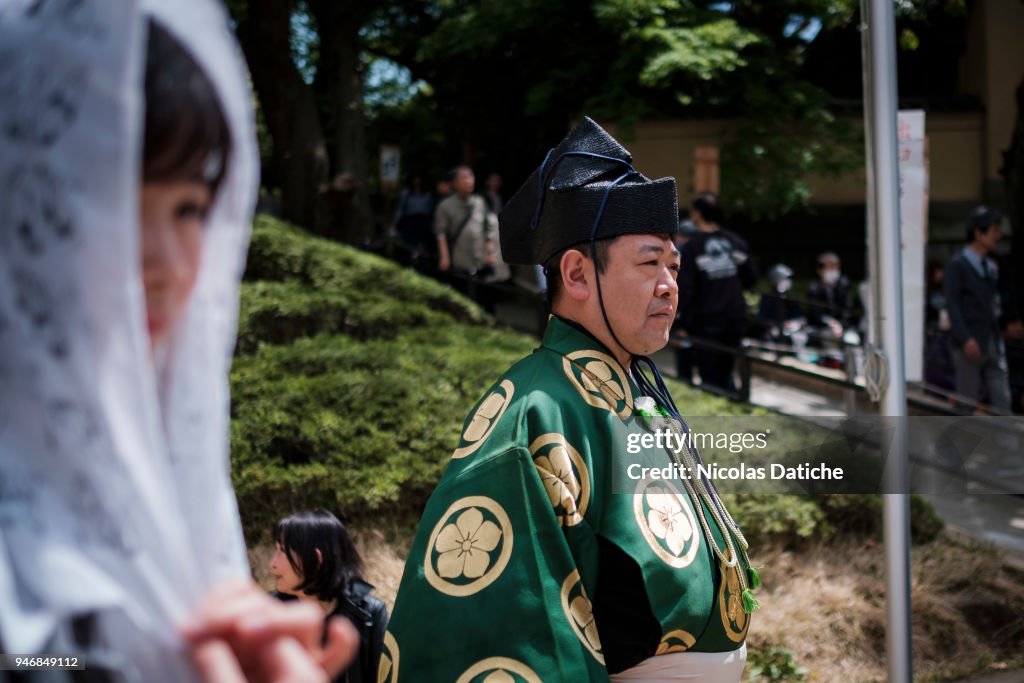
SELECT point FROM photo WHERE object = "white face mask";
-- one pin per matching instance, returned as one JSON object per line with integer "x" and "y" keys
{"x": 830, "y": 276}
{"x": 784, "y": 286}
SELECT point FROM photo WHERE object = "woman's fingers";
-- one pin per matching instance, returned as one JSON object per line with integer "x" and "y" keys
{"x": 302, "y": 621}
{"x": 246, "y": 612}
{"x": 216, "y": 663}
{"x": 341, "y": 648}
{"x": 240, "y": 628}
{"x": 221, "y": 613}
{"x": 284, "y": 660}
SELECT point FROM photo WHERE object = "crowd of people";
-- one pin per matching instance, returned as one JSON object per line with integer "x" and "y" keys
{"x": 972, "y": 347}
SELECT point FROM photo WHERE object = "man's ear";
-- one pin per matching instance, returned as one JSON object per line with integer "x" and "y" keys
{"x": 576, "y": 269}
{"x": 319, "y": 558}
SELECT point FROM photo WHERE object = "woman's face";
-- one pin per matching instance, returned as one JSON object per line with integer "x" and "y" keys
{"x": 286, "y": 580}
{"x": 173, "y": 215}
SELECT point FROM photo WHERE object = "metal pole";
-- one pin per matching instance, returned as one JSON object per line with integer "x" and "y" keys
{"x": 885, "y": 255}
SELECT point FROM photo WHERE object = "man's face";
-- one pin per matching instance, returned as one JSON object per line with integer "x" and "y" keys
{"x": 989, "y": 238}
{"x": 464, "y": 182}
{"x": 640, "y": 291}
{"x": 829, "y": 270}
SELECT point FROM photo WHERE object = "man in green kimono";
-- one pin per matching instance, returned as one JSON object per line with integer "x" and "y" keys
{"x": 537, "y": 558}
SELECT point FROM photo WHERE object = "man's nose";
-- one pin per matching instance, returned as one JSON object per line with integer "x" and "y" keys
{"x": 667, "y": 284}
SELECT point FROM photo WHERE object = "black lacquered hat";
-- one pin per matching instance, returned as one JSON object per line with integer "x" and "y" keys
{"x": 585, "y": 189}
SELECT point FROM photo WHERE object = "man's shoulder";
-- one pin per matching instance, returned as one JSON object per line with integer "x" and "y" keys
{"x": 733, "y": 237}
{"x": 959, "y": 259}
{"x": 959, "y": 265}
{"x": 448, "y": 202}
{"x": 536, "y": 377}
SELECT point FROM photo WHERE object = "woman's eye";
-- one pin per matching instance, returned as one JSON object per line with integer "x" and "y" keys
{"x": 189, "y": 211}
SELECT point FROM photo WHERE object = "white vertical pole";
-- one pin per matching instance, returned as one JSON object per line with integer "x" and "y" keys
{"x": 884, "y": 246}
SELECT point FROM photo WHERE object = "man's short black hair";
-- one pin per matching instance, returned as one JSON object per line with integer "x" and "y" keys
{"x": 553, "y": 268}
{"x": 186, "y": 132}
{"x": 706, "y": 204}
{"x": 981, "y": 219}
{"x": 826, "y": 256}
{"x": 301, "y": 535}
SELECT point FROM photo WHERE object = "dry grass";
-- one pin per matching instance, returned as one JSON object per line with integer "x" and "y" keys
{"x": 827, "y": 604}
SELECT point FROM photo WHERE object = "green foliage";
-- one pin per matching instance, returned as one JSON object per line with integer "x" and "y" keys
{"x": 702, "y": 51}
{"x": 862, "y": 514}
{"x": 925, "y": 523}
{"x": 783, "y": 519}
{"x": 351, "y": 380}
{"x": 353, "y": 376}
{"x": 773, "y": 664}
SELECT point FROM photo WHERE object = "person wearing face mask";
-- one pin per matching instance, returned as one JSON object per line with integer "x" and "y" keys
{"x": 830, "y": 304}
{"x": 127, "y": 180}
{"x": 778, "y": 315}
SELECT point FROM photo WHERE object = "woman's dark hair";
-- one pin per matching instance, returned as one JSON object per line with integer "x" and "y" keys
{"x": 186, "y": 133}
{"x": 301, "y": 535}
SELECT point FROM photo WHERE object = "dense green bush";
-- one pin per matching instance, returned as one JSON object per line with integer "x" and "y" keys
{"x": 352, "y": 377}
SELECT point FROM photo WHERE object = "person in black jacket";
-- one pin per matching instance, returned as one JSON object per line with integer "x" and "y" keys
{"x": 315, "y": 559}
{"x": 778, "y": 316}
{"x": 973, "y": 303}
{"x": 715, "y": 269}
{"x": 830, "y": 301}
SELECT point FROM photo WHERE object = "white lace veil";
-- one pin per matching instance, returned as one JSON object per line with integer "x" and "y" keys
{"x": 115, "y": 494}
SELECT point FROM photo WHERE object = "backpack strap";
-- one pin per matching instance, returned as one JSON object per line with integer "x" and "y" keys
{"x": 464, "y": 223}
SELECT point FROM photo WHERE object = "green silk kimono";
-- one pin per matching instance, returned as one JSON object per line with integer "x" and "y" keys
{"x": 497, "y": 584}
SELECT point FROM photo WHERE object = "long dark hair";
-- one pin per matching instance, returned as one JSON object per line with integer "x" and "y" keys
{"x": 186, "y": 133}
{"x": 301, "y": 535}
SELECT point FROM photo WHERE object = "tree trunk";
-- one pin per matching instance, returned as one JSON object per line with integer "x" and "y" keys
{"x": 300, "y": 155}
{"x": 1013, "y": 175}
{"x": 339, "y": 88}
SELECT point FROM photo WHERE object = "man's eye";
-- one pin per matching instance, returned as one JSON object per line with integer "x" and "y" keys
{"x": 675, "y": 267}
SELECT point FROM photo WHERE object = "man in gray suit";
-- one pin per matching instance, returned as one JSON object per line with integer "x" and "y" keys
{"x": 972, "y": 299}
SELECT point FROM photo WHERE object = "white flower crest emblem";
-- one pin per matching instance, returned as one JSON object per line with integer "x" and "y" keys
{"x": 499, "y": 676}
{"x": 583, "y": 614}
{"x": 465, "y": 546}
{"x": 559, "y": 480}
{"x": 667, "y": 520}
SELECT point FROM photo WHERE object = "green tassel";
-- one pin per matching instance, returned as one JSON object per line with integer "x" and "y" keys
{"x": 750, "y": 603}
{"x": 754, "y": 578}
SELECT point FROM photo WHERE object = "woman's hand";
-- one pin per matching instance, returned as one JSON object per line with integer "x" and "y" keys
{"x": 241, "y": 633}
